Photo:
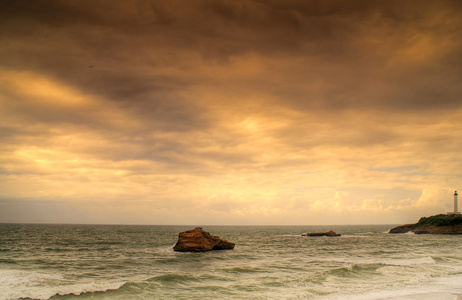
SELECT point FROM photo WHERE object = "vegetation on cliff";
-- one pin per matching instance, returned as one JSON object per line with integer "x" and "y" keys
{"x": 439, "y": 224}
{"x": 439, "y": 220}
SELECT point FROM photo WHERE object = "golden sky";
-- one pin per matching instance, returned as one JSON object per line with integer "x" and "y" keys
{"x": 205, "y": 112}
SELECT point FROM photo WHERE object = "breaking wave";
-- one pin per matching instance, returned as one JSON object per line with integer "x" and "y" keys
{"x": 20, "y": 284}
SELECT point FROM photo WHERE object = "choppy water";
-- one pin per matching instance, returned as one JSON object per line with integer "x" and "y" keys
{"x": 137, "y": 262}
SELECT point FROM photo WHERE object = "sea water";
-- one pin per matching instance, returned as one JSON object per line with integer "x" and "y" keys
{"x": 268, "y": 262}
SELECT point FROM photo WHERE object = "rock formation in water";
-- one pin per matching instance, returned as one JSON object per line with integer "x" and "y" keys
{"x": 439, "y": 224}
{"x": 329, "y": 233}
{"x": 198, "y": 240}
{"x": 401, "y": 229}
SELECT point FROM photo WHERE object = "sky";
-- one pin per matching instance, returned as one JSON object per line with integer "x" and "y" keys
{"x": 229, "y": 112}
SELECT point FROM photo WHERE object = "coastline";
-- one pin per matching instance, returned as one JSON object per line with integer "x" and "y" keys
{"x": 436, "y": 224}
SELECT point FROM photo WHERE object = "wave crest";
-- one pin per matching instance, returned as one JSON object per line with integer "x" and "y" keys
{"x": 21, "y": 284}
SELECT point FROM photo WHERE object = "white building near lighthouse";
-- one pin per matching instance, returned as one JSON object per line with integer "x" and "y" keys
{"x": 456, "y": 208}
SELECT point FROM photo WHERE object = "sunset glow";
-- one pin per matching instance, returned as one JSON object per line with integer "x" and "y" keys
{"x": 229, "y": 112}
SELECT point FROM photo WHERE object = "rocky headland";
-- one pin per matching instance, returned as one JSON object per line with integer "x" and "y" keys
{"x": 198, "y": 240}
{"x": 439, "y": 224}
{"x": 329, "y": 233}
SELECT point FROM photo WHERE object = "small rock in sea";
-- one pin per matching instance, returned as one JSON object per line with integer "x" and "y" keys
{"x": 329, "y": 233}
{"x": 198, "y": 240}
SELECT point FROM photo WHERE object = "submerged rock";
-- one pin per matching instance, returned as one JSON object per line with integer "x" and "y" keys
{"x": 198, "y": 240}
{"x": 329, "y": 233}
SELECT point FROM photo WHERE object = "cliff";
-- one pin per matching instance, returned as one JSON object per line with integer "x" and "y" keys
{"x": 439, "y": 224}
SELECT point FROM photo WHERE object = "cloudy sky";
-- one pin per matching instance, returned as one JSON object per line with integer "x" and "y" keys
{"x": 229, "y": 111}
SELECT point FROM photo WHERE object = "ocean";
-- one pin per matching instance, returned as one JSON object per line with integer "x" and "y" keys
{"x": 268, "y": 262}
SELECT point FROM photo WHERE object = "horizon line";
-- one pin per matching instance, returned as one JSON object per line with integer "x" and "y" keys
{"x": 191, "y": 225}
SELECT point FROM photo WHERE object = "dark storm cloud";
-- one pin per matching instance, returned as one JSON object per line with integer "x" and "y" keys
{"x": 150, "y": 57}
{"x": 143, "y": 51}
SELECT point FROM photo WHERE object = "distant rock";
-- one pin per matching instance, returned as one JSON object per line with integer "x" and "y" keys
{"x": 439, "y": 224}
{"x": 198, "y": 240}
{"x": 329, "y": 233}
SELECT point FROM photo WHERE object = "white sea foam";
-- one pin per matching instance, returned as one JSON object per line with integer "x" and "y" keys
{"x": 16, "y": 284}
{"x": 417, "y": 294}
{"x": 447, "y": 288}
{"x": 386, "y": 261}
{"x": 77, "y": 289}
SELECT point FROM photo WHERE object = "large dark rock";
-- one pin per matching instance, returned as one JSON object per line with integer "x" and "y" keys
{"x": 198, "y": 240}
{"x": 329, "y": 233}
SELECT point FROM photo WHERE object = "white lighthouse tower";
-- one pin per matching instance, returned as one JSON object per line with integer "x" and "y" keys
{"x": 456, "y": 208}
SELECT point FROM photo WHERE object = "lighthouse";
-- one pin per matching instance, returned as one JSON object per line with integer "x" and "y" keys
{"x": 456, "y": 208}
